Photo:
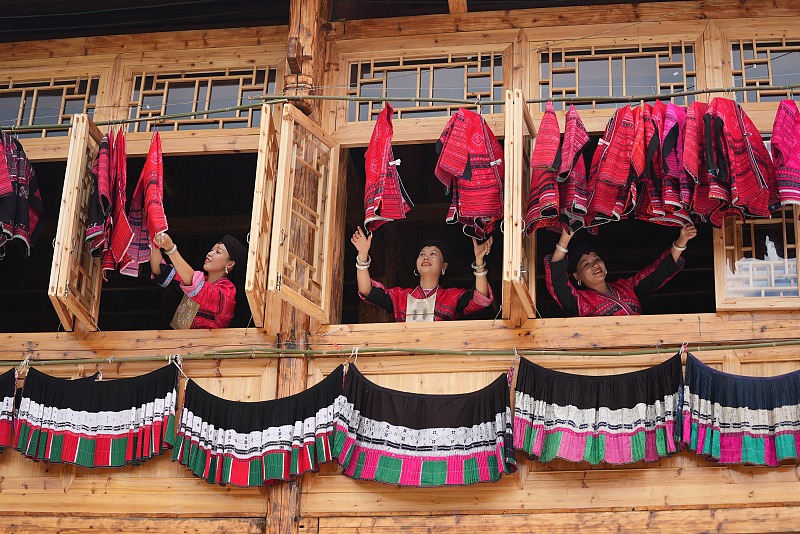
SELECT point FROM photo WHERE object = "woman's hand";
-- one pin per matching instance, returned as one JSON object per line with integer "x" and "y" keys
{"x": 687, "y": 233}
{"x": 563, "y": 243}
{"x": 481, "y": 249}
{"x": 362, "y": 243}
{"x": 164, "y": 241}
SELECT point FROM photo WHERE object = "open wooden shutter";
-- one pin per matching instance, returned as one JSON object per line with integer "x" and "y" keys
{"x": 519, "y": 250}
{"x": 255, "y": 285}
{"x": 76, "y": 277}
{"x": 301, "y": 245}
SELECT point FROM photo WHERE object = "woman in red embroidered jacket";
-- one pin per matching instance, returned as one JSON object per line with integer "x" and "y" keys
{"x": 428, "y": 301}
{"x": 594, "y": 295}
{"x": 209, "y": 299}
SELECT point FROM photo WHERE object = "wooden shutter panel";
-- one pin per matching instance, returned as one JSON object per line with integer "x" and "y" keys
{"x": 76, "y": 277}
{"x": 255, "y": 285}
{"x": 301, "y": 245}
{"x": 519, "y": 250}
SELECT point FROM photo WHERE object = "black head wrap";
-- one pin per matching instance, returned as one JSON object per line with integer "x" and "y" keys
{"x": 447, "y": 252}
{"x": 236, "y": 252}
{"x": 576, "y": 252}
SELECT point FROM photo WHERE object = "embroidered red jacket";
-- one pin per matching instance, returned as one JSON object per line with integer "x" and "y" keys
{"x": 543, "y": 201}
{"x": 451, "y": 303}
{"x": 786, "y": 152}
{"x": 625, "y": 292}
{"x": 385, "y": 198}
{"x": 217, "y": 300}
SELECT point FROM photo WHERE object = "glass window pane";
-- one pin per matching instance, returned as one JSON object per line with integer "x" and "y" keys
{"x": 593, "y": 76}
{"x": 403, "y": 84}
{"x": 448, "y": 83}
{"x": 640, "y": 74}
{"x": 179, "y": 97}
{"x": 224, "y": 94}
{"x": 9, "y": 109}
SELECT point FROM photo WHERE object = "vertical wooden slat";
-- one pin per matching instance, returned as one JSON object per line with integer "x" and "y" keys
{"x": 255, "y": 285}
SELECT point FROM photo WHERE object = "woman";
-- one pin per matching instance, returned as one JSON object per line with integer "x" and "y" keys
{"x": 594, "y": 295}
{"x": 208, "y": 299}
{"x": 428, "y": 301}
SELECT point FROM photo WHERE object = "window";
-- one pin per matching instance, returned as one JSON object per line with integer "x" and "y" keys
{"x": 45, "y": 102}
{"x": 612, "y": 72}
{"x": 757, "y": 262}
{"x": 474, "y": 76}
{"x": 165, "y": 93}
{"x": 757, "y": 63}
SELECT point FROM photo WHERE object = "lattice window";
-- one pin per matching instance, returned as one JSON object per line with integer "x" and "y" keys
{"x": 43, "y": 102}
{"x": 76, "y": 276}
{"x": 616, "y": 72}
{"x": 301, "y": 244}
{"x": 761, "y": 256}
{"x": 465, "y": 77}
{"x": 169, "y": 93}
{"x": 757, "y": 64}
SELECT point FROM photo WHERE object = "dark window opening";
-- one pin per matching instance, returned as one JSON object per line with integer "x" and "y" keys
{"x": 23, "y": 291}
{"x": 628, "y": 246}
{"x": 205, "y": 197}
{"x": 395, "y": 245}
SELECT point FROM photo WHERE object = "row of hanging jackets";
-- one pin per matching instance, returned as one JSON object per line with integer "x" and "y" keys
{"x": 123, "y": 238}
{"x": 663, "y": 163}
{"x": 470, "y": 165}
{"x": 21, "y": 209}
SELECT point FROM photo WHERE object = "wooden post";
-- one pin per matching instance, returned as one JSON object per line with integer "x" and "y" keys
{"x": 284, "y": 498}
{"x": 305, "y": 50}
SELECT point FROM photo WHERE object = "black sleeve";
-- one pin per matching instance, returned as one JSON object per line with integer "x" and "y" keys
{"x": 173, "y": 286}
{"x": 464, "y": 300}
{"x": 381, "y": 298}
{"x": 557, "y": 281}
{"x": 656, "y": 275}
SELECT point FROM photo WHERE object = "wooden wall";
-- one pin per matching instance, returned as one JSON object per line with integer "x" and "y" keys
{"x": 682, "y": 492}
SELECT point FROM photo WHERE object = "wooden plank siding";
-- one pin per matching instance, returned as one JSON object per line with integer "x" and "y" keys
{"x": 686, "y": 491}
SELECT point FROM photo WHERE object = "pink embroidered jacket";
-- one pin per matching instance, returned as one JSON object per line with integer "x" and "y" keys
{"x": 217, "y": 300}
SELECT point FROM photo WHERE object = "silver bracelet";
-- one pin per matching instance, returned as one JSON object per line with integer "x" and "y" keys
{"x": 480, "y": 274}
{"x": 171, "y": 251}
{"x": 362, "y": 267}
{"x": 679, "y": 249}
{"x": 479, "y": 267}
{"x": 562, "y": 249}
{"x": 366, "y": 263}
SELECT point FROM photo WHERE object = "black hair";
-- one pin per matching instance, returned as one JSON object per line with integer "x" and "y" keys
{"x": 576, "y": 252}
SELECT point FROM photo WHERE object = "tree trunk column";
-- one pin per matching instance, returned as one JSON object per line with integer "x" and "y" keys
{"x": 284, "y": 497}
{"x": 305, "y": 50}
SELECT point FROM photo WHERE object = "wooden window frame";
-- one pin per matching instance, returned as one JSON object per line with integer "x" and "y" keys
{"x": 260, "y": 235}
{"x": 519, "y": 250}
{"x": 721, "y": 246}
{"x": 278, "y": 282}
{"x": 75, "y": 276}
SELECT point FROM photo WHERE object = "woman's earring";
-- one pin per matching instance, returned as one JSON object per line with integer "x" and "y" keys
{"x": 579, "y": 282}
{"x": 442, "y": 272}
{"x": 226, "y": 269}
{"x": 416, "y": 273}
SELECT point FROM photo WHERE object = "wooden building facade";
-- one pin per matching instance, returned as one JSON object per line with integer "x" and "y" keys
{"x": 299, "y": 159}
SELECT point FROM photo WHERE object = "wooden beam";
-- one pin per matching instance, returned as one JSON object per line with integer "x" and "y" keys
{"x": 457, "y": 6}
